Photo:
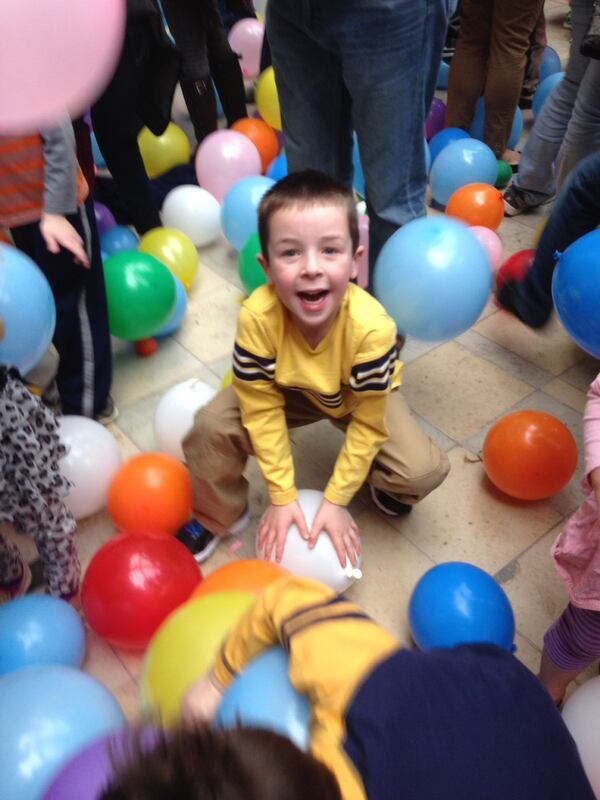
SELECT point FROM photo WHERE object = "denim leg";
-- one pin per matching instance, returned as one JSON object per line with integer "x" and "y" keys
{"x": 575, "y": 213}
{"x": 536, "y": 167}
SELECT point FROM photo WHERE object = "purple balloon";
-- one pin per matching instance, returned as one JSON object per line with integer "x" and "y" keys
{"x": 87, "y": 775}
{"x": 104, "y": 218}
{"x": 436, "y": 118}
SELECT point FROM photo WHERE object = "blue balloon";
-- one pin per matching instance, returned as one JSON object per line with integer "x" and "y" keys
{"x": 478, "y": 125}
{"x": 181, "y": 302}
{"x": 39, "y": 629}
{"x": 550, "y": 63}
{"x": 47, "y": 715}
{"x": 544, "y": 90}
{"x": 462, "y": 161}
{"x": 97, "y": 153}
{"x": 26, "y": 308}
{"x": 239, "y": 212}
{"x": 263, "y": 696}
{"x": 576, "y": 291}
{"x": 427, "y": 156}
{"x": 443, "y": 138}
{"x": 359, "y": 176}
{"x": 278, "y": 168}
{"x": 458, "y": 603}
{"x": 117, "y": 239}
{"x": 442, "y": 78}
{"x": 433, "y": 277}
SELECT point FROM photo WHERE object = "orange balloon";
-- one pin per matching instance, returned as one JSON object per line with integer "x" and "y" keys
{"x": 262, "y": 135}
{"x": 477, "y": 204}
{"x": 246, "y": 575}
{"x": 150, "y": 493}
{"x": 529, "y": 455}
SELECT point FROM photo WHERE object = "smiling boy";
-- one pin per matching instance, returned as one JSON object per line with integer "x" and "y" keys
{"x": 310, "y": 345}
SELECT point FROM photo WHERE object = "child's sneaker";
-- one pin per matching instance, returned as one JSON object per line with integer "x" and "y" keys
{"x": 199, "y": 540}
{"x": 388, "y": 504}
{"x": 17, "y": 588}
{"x": 519, "y": 201}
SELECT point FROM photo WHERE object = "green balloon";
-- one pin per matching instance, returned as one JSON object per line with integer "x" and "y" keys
{"x": 504, "y": 174}
{"x": 141, "y": 294}
{"x": 252, "y": 275}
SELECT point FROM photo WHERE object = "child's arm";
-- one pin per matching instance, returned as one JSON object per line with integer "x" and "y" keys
{"x": 591, "y": 433}
{"x": 60, "y": 192}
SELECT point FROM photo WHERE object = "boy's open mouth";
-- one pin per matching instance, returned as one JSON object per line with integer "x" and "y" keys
{"x": 313, "y": 297}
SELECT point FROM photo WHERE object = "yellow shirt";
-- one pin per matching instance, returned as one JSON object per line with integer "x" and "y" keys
{"x": 350, "y": 373}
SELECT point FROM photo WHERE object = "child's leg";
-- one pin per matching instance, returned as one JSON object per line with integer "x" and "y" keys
{"x": 571, "y": 644}
{"x": 410, "y": 464}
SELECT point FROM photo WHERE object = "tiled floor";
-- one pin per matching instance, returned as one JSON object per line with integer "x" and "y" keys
{"x": 457, "y": 389}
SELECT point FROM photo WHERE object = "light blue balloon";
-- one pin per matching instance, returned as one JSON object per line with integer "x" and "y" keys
{"x": 278, "y": 168}
{"x": 544, "y": 91}
{"x": 359, "y": 176}
{"x": 181, "y": 303}
{"x": 442, "y": 78}
{"x": 462, "y": 161}
{"x": 39, "y": 629}
{"x": 97, "y": 153}
{"x": 263, "y": 696}
{"x": 458, "y": 603}
{"x": 478, "y": 125}
{"x": 47, "y": 715}
{"x": 239, "y": 212}
{"x": 550, "y": 63}
{"x": 427, "y": 156}
{"x": 433, "y": 278}
{"x": 118, "y": 238}
{"x": 26, "y": 308}
{"x": 443, "y": 138}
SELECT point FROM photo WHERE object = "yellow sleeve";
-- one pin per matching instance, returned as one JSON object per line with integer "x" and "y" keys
{"x": 373, "y": 375}
{"x": 262, "y": 406}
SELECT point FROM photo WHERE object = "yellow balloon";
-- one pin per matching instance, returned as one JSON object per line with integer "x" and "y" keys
{"x": 228, "y": 379}
{"x": 267, "y": 99}
{"x": 162, "y": 153}
{"x": 175, "y": 250}
{"x": 538, "y": 232}
{"x": 185, "y": 647}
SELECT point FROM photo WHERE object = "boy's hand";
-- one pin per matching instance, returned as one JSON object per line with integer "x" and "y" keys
{"x": 201, "y": 700}
{"x": 58, "y": 232}
{"x": 338, "y": 524}
{"x": 274, "y": 527}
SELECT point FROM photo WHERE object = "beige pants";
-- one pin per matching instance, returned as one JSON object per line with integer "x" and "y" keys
{"x": 408, "y": 466}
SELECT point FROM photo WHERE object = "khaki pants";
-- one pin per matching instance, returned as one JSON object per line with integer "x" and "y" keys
{"x": 408, "y": 466}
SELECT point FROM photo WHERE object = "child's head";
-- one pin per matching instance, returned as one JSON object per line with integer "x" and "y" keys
{"x": 240, "y": 764}
{"x": 308, "y": 230}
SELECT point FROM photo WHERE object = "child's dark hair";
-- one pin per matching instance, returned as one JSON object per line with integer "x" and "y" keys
{"x": 208, "y": 764}
{"x": 308, "y": 187}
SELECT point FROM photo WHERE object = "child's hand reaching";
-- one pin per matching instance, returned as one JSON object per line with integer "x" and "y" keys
{"x": 274, "y": 527}
{"x": 338, "y": 524}
{"x": 58, "y": 232}
{"x": 201, "y": 701}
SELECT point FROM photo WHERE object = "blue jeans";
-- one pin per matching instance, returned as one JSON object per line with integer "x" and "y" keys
{"x": 370, "y": 65}
{"x": 568, "y": 127}
{"x": 575, "y": 213}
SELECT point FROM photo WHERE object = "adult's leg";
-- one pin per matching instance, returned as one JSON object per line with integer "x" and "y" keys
{"x": 535, "y": 52}
{"x": 575, "y": 213}
{"x": 225, "y": 70}
{"x": 512, "y": 24}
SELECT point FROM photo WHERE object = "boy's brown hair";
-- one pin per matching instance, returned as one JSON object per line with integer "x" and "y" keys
{"x": 307, "y": 188}
{"x": 208, "y": 764}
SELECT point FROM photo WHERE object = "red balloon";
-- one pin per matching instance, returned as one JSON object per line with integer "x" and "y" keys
{"x": 529, "y": 455}
{"x": 133, "y": 583}
{"x": 515, "y": 268}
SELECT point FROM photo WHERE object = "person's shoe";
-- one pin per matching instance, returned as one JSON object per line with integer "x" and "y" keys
{"x": 17, "y": 588}
{"x": 388, "y": 504}
{"x": 198, "y": 540}
{"x": 512, "y": 299}
{"x": 109, "y": 413}
{"x": 518, "y": 201}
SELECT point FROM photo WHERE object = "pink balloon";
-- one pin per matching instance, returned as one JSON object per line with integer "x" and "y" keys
{"x": 224, "y": 158}
{"x": 56, "y": 58}
{"x": 363, "y": 265}
{"x": 246, "y": 38}
{"x": 492, "y": 244}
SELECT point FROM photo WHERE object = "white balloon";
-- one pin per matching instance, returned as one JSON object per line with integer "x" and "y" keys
{"x": 92, "y": 458}
{"x": 321, "y": 563}
{"x": 174, "y": 415}
{"x": 581, "y": 715}
{"x": 193, "y": 211}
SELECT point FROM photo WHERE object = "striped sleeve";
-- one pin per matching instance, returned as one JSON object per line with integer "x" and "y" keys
{"x": 375, "y": 375}
{"x": 248, "y": 366}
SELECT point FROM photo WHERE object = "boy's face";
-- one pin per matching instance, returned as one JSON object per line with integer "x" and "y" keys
{"x": 310, "y": 262}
